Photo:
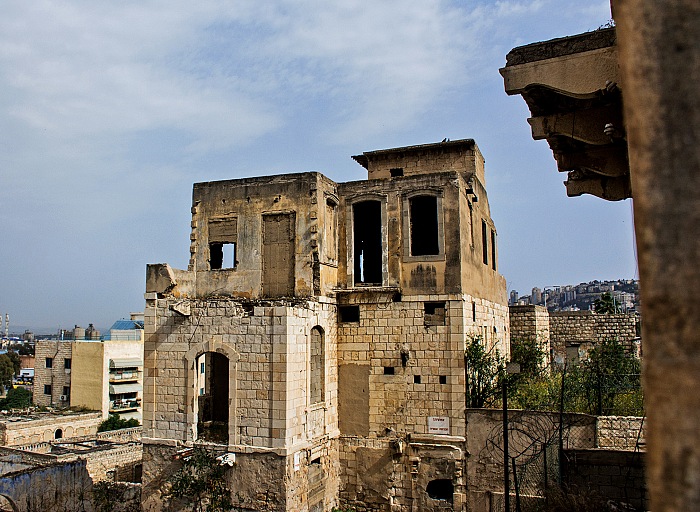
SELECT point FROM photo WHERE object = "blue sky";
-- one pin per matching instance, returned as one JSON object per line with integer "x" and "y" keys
{"x": 111, "y": 110}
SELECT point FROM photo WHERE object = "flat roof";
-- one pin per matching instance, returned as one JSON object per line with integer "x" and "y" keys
{"x": 364, "y": 158}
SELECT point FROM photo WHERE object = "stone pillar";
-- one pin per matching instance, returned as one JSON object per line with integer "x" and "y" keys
{"x": 659, "y": 51}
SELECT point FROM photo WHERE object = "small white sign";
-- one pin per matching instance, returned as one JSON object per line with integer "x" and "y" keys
{"x": 439, "y": 425}
{"x": 297, "y": 461}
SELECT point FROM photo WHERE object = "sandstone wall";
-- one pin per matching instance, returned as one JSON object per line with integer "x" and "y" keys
{"x": 621, "y": 432}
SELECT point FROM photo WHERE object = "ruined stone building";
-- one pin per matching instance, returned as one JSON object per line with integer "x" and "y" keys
{"x": 318, "y": 333}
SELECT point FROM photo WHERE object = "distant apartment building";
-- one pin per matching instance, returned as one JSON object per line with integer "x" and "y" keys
{"x": 108, "y": 372}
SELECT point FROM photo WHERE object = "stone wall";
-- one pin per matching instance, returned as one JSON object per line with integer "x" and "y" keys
{"x": 23, "y": 430}
{"x": 52, "y": 486}
{"x": 610, "y": 474}
{"x": 584, "y": 329}
{"x": 621, "y": 432}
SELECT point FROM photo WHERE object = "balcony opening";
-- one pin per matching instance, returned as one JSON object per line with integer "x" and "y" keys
{"x": 212, "y": 400}
{"x": 424, "y": 226}
{"x": 367, "y": 230}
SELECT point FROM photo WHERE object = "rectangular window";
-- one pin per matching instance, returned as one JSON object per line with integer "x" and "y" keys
{"x": 443, "y": 379}
{"x": 47, "y": 389}
{"x": 423, "y": 212}
{"x": 49, "y": 362}
{"x": 473, "y": 311}
{"x": 223, "y": 237}
{"x": 66, "y": 390}
{"x": 331, "y": 227}
{"x": 201, "y": 367}
{"x": 67, "y": 364}
{"x": 388, "y": 370}
{"x": 493, "y": 249}
{"x": 434, "y": 313}
{"x": 416, "y": 379}
{"x": 316, "y": 393}
{"x": 396, "y": 172}
{"x": 222, "y": 256}
{"x": 485, "y": 242}
{"x": 349, "y": 313}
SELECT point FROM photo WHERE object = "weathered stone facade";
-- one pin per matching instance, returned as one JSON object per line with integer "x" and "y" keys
{"x": 40, "y": 428}
{"x": 319, "y": 333}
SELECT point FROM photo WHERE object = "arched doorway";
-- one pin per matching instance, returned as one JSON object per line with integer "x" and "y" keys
{"x": 212, "y": 397}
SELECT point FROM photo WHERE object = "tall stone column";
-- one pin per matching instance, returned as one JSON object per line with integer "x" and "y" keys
{"x": 659, "y": 45}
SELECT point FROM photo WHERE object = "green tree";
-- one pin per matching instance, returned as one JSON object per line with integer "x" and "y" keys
{"x": 7, "y": 371}
{"x": 202, "y": 483}
{"x": 14, "y": 357}
{"x": 483, "y": 368}
{"x": 115, "y": 422}
{"x": 605, "y": 305}
{"x": 17, "y": 398}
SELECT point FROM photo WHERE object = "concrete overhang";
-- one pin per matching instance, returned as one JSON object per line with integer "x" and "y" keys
{"x": 571, "y": 88}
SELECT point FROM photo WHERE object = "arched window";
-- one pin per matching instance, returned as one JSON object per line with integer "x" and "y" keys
{"x": 317, "y": 380}
{"x": 58, "y": 434}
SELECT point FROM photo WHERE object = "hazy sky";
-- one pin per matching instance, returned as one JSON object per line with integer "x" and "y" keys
{"x": 111, "y": 110}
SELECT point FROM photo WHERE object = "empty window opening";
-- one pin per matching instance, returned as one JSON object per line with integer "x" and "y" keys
{"x": 395, "y": 172}
{"x": 367, "y": 230}
{"x": 388, "y": 370}
{"x": 493, "y": 249}
{"x": 212, "y": 403}
{"x": 58, "y": 434}
{"x": 47, "y": 389}
{"x": 316, "y": 393}
{"x": 424, "y": 226}
{"x": 66, "y": 391}
{"x": 349, "y": 313}
{"x": 67, "y": 363}
{"x": 416, "y": 379}
{"x": 441, "y": 489}
{"x": 49, "y": 362}
{"x": 222, "y": 256}
{"x": 443, "y": 379}
{"x": 484, "y": 242}
{"x": 434, "y": 313}
{"x": 474, "y": 311}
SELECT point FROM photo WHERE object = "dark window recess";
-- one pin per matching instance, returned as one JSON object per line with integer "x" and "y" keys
{"x": 317, "y": 460}
{"x": 49, "y": 362}
{"x": 416, "y": 379}
{"x": 443, "y": 379}
{"x": 493, "y": 249}
{"x": 58, "y": 434}
{"x": 474, "y": 311}
{"x": 441, "y": 489}
{"x": 66, "y": 390}
{"x": 349, "y": 313}
{"x": 67, "y": 364}
{"x": 367, "y": 229}
{"x": 388, "y": 370}
{"x": 222, "y": 256}
{"x": 47, "y": 389}
{"x": 434, "y": 313}
{"x": 484, "y": 242}
{"x": 424, "y": 226}
{"x": 395, "y": 172}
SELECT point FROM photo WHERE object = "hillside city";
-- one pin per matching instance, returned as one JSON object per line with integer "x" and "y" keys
{"x": 581, "y": 297}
